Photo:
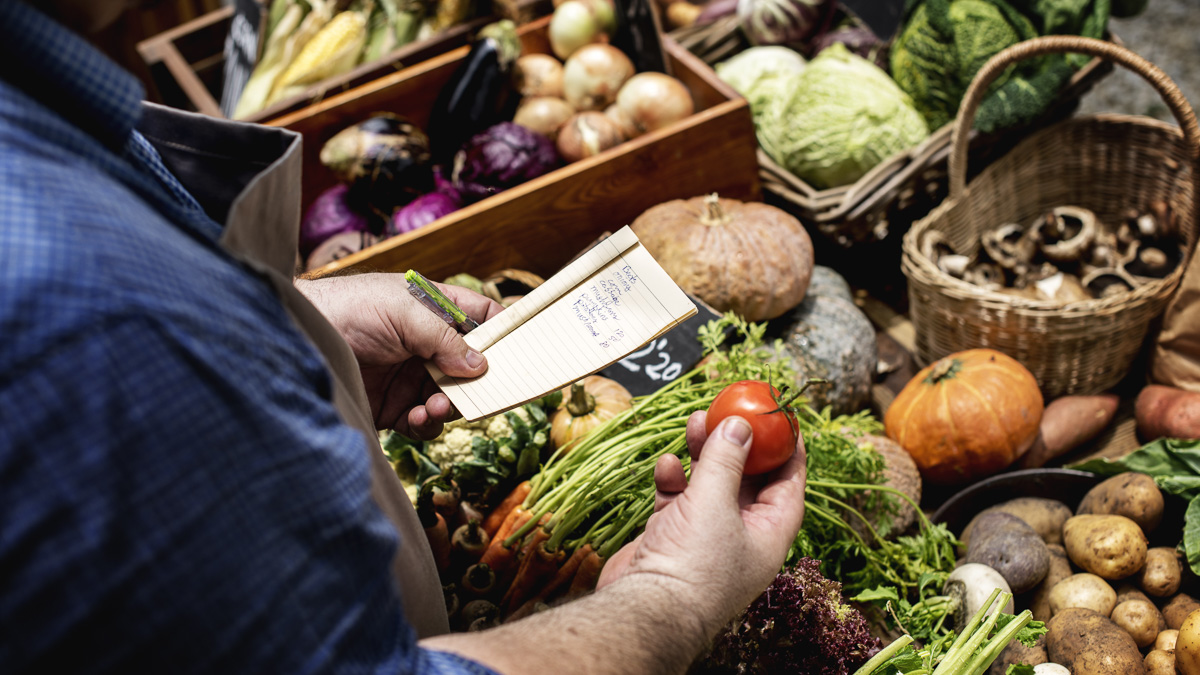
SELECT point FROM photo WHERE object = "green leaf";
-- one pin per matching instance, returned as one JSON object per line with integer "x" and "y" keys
{"x": 484, "y": 449}
{"x": 1187, "y": 487}
{"x": 406, "y": 458}
{"x": 1019, "y": 669}
{"x": 878, "y": 593}
{"x": 521, "y": 433}
{"x": 1164, "y": 457}
{"x": 906, "y": 661}
{"x": 529, "y": 460}
{"x": 1191, "y": 534}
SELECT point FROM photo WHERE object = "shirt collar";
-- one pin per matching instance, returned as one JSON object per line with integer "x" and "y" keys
{"x": 66, "y": 74}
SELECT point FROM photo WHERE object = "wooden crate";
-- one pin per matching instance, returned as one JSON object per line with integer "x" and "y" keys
{"x": 187, "y": 63}
{"x": 540, "y": 225}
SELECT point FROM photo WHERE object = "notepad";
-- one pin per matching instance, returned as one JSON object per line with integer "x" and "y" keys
{"x": 600, "y": 308}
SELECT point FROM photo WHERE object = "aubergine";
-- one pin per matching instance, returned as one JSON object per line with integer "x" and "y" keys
{"x": 479, "y": 94}
{"x": 385, "y": 162}
{"x": 639, "y": 35}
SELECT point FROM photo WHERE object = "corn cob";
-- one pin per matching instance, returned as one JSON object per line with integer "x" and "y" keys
{"x": 381, "y": 34}
{"x": 272, "y": 62}
{"x": 333, "y": 49}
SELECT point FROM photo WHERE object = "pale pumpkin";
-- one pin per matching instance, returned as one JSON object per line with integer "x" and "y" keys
{"x": 748, "y": 257}
{"x": 966, "y": 416}
{"x": 586, "y": 405}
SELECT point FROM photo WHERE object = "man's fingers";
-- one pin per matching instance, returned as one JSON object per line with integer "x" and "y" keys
{"x": 478, "y": 307}
{"x": 785, "y": 491}
{"x": 696, "y": 435}
{"x": 455, "y": 358}
{"x": 669, "y": 479}
{"x": 718, "y": 472}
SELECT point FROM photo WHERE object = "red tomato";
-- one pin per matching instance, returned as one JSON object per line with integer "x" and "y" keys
{"x": 774, "y": 439}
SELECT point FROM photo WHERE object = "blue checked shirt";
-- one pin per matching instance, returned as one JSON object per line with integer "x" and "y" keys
{"x": 177, "y": 492}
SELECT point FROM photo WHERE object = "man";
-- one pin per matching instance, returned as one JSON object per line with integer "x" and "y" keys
{"x": 191, "y": 478}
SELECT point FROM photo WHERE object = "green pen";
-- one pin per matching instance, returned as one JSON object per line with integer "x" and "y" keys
{"x": 437, "y": 302}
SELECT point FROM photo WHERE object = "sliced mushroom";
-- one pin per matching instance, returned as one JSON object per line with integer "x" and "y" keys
{"x": 1105, "y": 283}
{"x": 1008, "y": 246}
{"x": 1065, "y": 233}
{"x": 989, "y": 276}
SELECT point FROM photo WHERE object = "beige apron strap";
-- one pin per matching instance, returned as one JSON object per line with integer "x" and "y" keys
{"x": 261, "y": 229}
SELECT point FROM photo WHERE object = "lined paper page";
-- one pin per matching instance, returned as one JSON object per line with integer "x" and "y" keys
{"x": 567, "y": 278}
{"x": 610, "y": 313}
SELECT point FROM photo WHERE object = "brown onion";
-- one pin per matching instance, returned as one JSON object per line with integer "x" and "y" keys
{"x": 623, "y": 122}
{"x": 587, "y": 134}
{"x": 654, "y": 100}
{"x": 538, "y": 75}
{"x": 544, "y": 115}
{"x": 593, "y": 76}
{"x": 681, "y": 14}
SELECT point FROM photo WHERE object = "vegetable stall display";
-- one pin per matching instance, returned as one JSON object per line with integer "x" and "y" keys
{"x": 502, "y": 119}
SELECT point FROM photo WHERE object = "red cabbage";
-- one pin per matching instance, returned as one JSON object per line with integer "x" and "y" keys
{"x": 859, "y": 40}
{"x": 501, "y": 157}
{"x": 328, "y": 215}
{"x": 424, "y": 210}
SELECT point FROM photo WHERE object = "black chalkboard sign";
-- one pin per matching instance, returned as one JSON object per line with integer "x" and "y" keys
{"x": 241, "y": 51}
{"x": 883, "y": 16}
{"x": 665, "y": 358}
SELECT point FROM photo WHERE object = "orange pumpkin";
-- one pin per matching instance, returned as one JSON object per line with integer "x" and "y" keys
{"x": 586, "y": 405}
{"x": 966, "y": 416}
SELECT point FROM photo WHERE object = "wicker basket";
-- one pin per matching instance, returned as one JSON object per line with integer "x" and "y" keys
{"x": 907, "y": 183}
{"x": 1106, "y": 163}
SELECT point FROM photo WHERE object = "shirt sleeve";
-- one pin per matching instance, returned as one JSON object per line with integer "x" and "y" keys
{"x": 181, "y": 496}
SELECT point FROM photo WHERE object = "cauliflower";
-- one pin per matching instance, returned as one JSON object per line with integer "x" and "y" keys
{"x": 456, "y": 443}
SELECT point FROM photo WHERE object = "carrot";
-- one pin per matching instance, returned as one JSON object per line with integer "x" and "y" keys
{"x": 470, "y": 541}
{"x": 560, "y": 581}
{"x": 497, "y": 555}
{"x": 586, "y": 576}
{"x": 500, "y": 514}
{"x": 439, "y": 542}
{"x": 537, "y": 564}
{"x": 478, "y": 580}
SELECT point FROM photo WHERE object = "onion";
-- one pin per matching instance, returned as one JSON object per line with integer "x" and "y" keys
{"x": 544, "y": 115}
{"x": 538, "y": 75}
{"x": 624, "y": 124}
{"x": 593, "y": 76}
{"x": 681, "y": 14}
{"x": 424, "y": 210}
{"x": 586, "y": 134}
{"x": 779, "y": 22}
{"x": 329, "y": 215}
{"x": 573, "y": 26}
{"x": 716, "y": 9}
{"x": 652, "y": 101}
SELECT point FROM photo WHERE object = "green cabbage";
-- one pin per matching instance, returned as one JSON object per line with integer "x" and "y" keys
{"x": 944, "y": 43}
{"x": 832, "y": 123}
{"x": 745, "y": 71}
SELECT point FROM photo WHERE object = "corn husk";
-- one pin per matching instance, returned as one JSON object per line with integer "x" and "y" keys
{"x": 333, "y": 50}
{"x": 274, "y": 59}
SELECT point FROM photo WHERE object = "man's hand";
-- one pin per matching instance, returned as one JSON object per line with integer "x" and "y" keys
{"x": 724, "y": 537}
{"x": 386, "y": 327}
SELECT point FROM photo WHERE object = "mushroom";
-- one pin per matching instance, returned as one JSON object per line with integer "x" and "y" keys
{"x": 1062, "y": 288}
{"x": 1007, "y": 245}
{"x": 1154, "y": 259}
{"x": 1105, "y": 283}
{"x": 1065, "y": 233}
{"x": 989, "y": 276}
{"x": 935, "y": 247}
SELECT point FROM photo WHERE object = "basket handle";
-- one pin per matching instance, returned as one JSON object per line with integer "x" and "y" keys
{"x": 1060, "y": 44}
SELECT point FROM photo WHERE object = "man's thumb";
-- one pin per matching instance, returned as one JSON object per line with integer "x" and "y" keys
{"x": 454, "y": 357}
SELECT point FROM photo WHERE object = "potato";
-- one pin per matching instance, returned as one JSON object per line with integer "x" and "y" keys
{"x": 1045, "y": 516}
{"x": 1162, "y": 573}
{"x": 1088, "y": 643}
{"x": 1159, "y": 662}
{"x": 1083, "y": 590}
{"x": 1178, "y": 609}
{"x": 1133, "y": 495}
{"x": 1008, "y": 545}
{"x": 1067, "y": 423}
{"x": 1016, "y": 652}
{"x": 1167, "y": 412}
{"x": 1139, "y": 618}
{"x": 1127, "y": 591}
{"x": 1166, "y": 640}
{"x": 1108, "y": 546}
{"x": 1187, "y": 646}
{"x": 1060, "y": 568}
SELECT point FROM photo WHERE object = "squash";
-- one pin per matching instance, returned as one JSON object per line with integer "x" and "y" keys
{"x": 828, "y": 338}
{"x": 966, "y": 416}
{"x": 747, "y": 257}
{"x": 586, "y": 405}
{"x": 825, "y": 281}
